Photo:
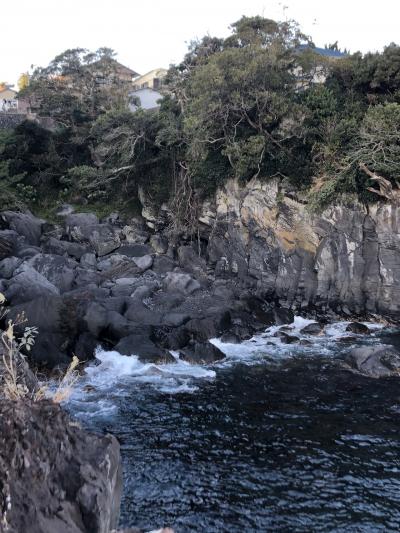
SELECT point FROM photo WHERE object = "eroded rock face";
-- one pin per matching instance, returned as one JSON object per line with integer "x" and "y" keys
{"x": 55, "y": 476}
{"x": 346, "y": 259}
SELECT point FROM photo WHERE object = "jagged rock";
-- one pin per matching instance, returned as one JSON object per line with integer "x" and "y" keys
{"x": 88, "y": 261}
{"x": 104, "y": 239}
{"x": 139, "y": 313}
{"x": 9, "y": 243}
{"x": 288, "y": 339}
{"x": 230, "y": 338}
{"x": 95, "y": 318}
{"x": 27, "y": 252}
{"x": 135, "y": 232}
{"x": 175, "y": 319}
{"x": 56, "y": 246}
{"x": 358, "y": 328}
{"x": 190, "y": 261}
{"x": 159, "y": 244}
{"x": 163, "y": 264}
{"x": 8, "y": 266}
{"x": 59, "y": 477}
{"x": 25, "y": 224}
{"x": 140, "y": 345}
{"x": 85, "y": 228}
{"x": 28, "y": 284}
{"x": 180, "y": 282}
{"x": 56, "y": 269}
{"x": 135, "y": 250}
{"x": 201, "y": 353}
{"x": 376, "y": 361}
{"x": 85, "y": 346}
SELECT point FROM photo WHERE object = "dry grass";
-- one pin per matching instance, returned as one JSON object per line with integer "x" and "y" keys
{"x": 13, "y": 385}
{"x": 66, "y": 385}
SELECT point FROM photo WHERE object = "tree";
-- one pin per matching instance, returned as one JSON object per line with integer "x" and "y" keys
{"x": 77, "y": 86}
{"x": 23, "y": 81}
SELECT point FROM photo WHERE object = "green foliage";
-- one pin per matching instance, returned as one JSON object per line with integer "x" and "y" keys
{"x": 245, "y": 106}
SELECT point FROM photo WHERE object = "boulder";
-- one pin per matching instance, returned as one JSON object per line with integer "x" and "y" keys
{"x": 88, "y": 261}
{"x": 104, "y": 239}
{"x": 201, "y": 353}
{"x": 85, "y": 346}
{"x": 159, "y": 244}
{"x": 135, "y": 250}
{"x": 56, "y": 246}
{"x": 8, "y": 266}
{"x": 135, "y": 232}
{"x": 180, "y": 282}
{"x": 28, "y": 284}
{"x": 190, "y": 261}
{"x": 144, "y": 263}
{"x": 163, "y": 264}
{"x": 59, "y": 477}
{"x": 139, "y": 313}
{"x": 140, "y": 345}
{"x": 358, "y": 328}
{"x": 312, "y": 329}
{"x": 95, "y": 318}
{"x": 175, "y": 319}
{"x": 230, "y": 338}
{"x": 56, "y": 269}
{"x": 288, "y": 339}
{"x": 25, "y": 224}
{"x": 9, "y": 243}
{"x": 375, "y": 361}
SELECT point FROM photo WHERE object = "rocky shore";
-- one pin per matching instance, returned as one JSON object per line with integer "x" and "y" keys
{"x": 259, "y": 257}
{"x": 126, "y": 284}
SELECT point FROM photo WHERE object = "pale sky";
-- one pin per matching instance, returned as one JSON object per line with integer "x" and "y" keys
{"x": 154, "y": 33}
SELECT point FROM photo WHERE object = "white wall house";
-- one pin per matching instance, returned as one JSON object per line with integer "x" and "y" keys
{"x": 147, "y": 97}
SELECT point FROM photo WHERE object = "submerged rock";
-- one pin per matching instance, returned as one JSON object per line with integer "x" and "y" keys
{"x": 358, "y": 328}
{"x": 54, "y": 476}
{"x": 201, "y": 353}
{"x": 376, "y": 361}
{"x": 312, "y": 329}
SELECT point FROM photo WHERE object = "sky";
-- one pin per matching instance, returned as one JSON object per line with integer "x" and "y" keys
{"x": 148, "y": 34}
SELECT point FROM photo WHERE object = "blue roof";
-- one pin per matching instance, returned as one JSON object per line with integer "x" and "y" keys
{"x": 322, "y": 51}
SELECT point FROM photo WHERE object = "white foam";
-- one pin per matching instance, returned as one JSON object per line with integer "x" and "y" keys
{"x": 114, "y": 374}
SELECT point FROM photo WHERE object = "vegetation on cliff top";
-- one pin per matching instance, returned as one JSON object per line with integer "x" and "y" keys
{"x": 243, "y": 106}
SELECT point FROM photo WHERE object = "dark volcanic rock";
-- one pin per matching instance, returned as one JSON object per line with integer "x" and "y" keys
{"x": 358, "y": 328}
{"x": 28, "y": 284}
{"x": 312, "y": 329}
{"x": 140, "y": 345}
{"x": 135, "y": 250}
{"x": 25, "y": 224}
{"x": 288, "y": 339}
{"x": 376, "y": 361}
{"x": 59, "y": 477}
{"x": 201, "y": 353}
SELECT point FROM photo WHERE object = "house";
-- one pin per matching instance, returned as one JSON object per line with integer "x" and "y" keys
{"x": 152, "y": 79}
{"x": 145, "y": 98}
{"x": 320, "y": 61}
{"x": 8, "y": 99}
{"x": 146, "y": 90}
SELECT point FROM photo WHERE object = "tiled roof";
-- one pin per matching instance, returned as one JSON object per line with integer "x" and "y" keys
{"x": 326, "y": 52}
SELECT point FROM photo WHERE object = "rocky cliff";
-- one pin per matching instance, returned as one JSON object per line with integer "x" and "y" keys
{"x": 346, "y": 259}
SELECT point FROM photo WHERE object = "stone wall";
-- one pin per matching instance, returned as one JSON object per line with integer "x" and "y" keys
{"x": 9, "y": 121}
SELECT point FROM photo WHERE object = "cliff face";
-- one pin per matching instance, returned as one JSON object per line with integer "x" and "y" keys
{"x": 346, "y": 259}
{"x": 54, "y": 476}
